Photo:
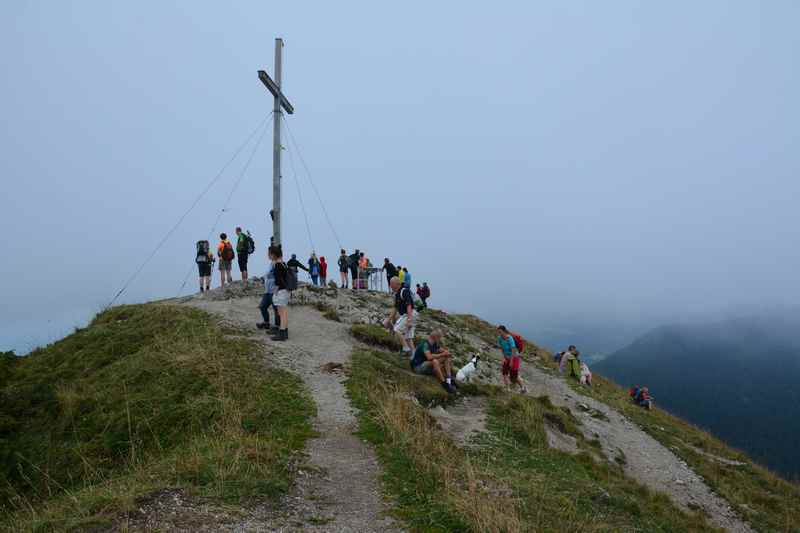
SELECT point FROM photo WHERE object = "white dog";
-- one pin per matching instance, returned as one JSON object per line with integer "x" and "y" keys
{"x": 468, "y": 369}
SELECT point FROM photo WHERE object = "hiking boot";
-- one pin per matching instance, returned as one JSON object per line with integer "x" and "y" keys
{"x": 449, "y": 388}
{"x": 262, "y": 325}
{"x": 274, "y": 329}
{"x": 283, "y": 335}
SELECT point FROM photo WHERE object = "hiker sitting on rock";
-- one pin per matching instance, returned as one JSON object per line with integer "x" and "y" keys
{"x": 401, "y": 319}
{"x": 565, "y": 357}
{"x": 433, "y": 360}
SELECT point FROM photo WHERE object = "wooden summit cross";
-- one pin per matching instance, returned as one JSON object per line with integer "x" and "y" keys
{"x": 281, "y": 103}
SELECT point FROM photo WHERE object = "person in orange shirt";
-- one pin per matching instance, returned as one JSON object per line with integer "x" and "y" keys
{"x": 226, "y": 256}
{"x": 363, "y": 263}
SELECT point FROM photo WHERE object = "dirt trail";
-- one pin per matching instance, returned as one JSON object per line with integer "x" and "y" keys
{"x": 341, "y": 491}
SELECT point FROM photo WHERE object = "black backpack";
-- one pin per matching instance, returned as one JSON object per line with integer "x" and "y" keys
{"x": 202, "y": 252}
{"x": 251, "y": 245}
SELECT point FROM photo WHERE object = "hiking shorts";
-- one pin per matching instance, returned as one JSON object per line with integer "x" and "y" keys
{"x": 280, "y": 298}
{"x": 224, "y": 266}
{"x": 425, "y": 368}
{"x": 511, "y": 367}
{"x": 400, "y": 325}
{"x": 242, "y": 258}
{"x": 204, "y": 269}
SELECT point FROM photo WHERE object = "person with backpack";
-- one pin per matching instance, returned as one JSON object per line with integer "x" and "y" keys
{"x": 511, "y": 344}
{"x": 285, "y": 281}
{"x": 323, "y": 272}
{"x": 204, "y": 260}
{"x": 390, "y": 269}
{"x": 352, "y": 263}
{"x": 401, "y": 319}
{"x": 424, "y": 293}
{"x": 344, "y": 265}
{"x": 270, "y": 288}
{"x": 242, "y": 251}
{"x": 226, "y": 256}
{"x": 313, "y": 268}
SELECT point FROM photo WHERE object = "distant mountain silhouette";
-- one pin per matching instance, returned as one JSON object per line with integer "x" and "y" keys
{"x": 738, "y": 378}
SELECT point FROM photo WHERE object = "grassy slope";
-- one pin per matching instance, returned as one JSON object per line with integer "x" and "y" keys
{"x": 513, "y": 481}
{"x": 145, "y": 397}
{"x": 766, "y": 501}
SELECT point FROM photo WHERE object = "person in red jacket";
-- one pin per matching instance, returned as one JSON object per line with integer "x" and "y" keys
{"x": 323, "y": 272}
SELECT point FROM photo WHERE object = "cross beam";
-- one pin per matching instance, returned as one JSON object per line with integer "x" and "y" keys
{"x": 280, "y": 103}
{"x": 276, "y": 91}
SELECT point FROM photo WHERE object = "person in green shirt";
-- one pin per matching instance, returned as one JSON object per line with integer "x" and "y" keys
{"x": 242, "y": 252}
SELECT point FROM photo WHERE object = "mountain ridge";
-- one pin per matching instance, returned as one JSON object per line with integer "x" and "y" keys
{"x": 628, "y": 468}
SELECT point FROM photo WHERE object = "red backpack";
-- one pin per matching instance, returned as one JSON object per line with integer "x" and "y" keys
{"x": 518, "y": 341}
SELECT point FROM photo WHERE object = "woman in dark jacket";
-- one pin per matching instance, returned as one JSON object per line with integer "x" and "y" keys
{"x": 281, "y": 296}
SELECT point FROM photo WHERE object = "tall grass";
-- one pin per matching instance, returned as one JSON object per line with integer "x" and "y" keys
{"x": 511, "y": 481}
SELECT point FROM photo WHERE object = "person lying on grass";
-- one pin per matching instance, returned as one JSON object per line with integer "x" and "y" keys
{"x": 430, "y": 358}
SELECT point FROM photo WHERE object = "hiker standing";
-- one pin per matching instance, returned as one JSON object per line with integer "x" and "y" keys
{"x": 427, "y": 291}
{"x": 390, "y": 269}
{"x": 430, "y": 358}
{"x": 323, "y": 272}
{"x": 363, "y": 265}
{"x": 421, "y": 295}
{"x": 313, "y": 268}
{"x": 226, "y": 256}
{"x": 511, "y": 359}
{"x": 401, "y": 319}
{"x": 270, "y": 288}
{"x": 242, "y": 252}
{"x": 204, "y": 260}
{"x": 406, "y": 278}
{"x": 281, "y": 297}
{"x": 352, "y": 262}
{"x": 344, "y": 265}
{"x": 294, "y": 264}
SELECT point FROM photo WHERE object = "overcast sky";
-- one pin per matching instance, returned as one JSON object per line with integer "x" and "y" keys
{"x": 551, "y": 165}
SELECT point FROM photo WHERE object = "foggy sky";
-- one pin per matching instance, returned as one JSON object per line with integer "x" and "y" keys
{"x": 554, "y": 166}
